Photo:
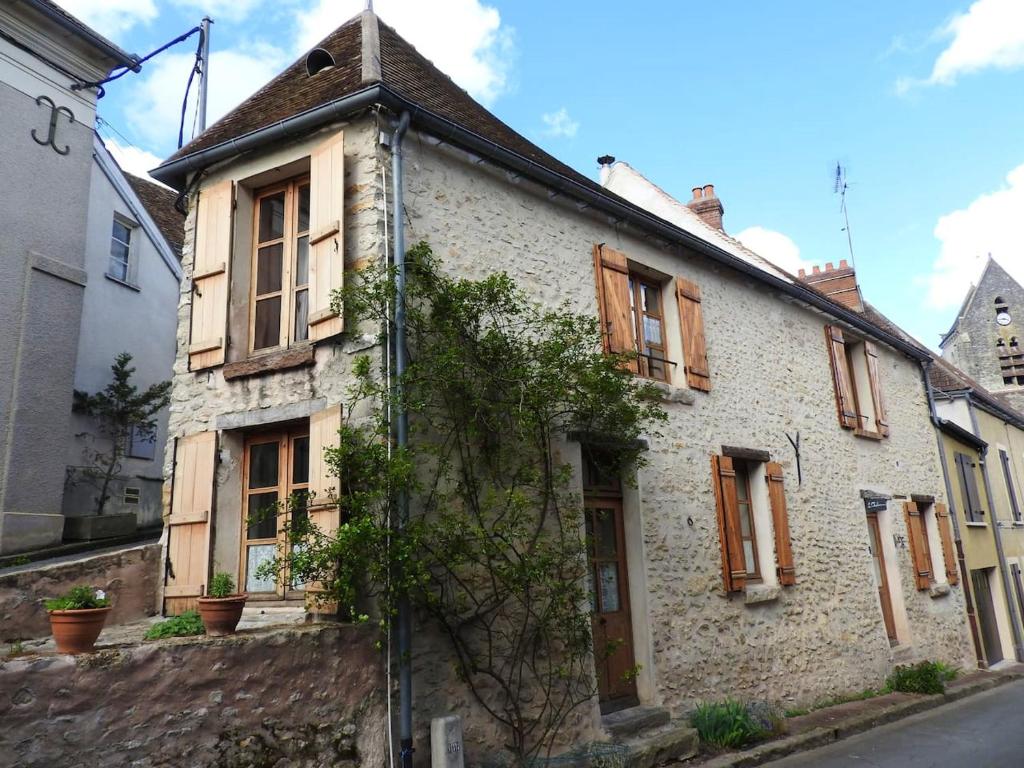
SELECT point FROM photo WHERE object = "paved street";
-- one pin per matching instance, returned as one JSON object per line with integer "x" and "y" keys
{"x": 983, "y": 731}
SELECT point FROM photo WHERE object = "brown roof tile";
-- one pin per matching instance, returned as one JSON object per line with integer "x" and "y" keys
{"x": 159, "y": 202}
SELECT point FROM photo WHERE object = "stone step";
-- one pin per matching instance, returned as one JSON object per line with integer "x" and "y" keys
{"x": 630, "y": 722}
{"x": 676, "y": 741}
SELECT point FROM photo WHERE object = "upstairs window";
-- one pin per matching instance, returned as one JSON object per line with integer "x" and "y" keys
{"x": 970, "y": 499}
{"x": 857, "y": 384}
{"x": 120, "y": 249}
{"x": 646, "y": 308}
{"x": 280, "y": 266}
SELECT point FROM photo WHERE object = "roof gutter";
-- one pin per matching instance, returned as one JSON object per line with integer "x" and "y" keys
{"x": 174, "y": 172}
{"x": 75, "y": 27}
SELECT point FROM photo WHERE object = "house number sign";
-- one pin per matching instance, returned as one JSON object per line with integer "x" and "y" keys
{"x": 51, "y": 136}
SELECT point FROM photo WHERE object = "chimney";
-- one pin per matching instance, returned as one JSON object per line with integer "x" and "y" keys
{"x": 606, "y": 162}
{"x": 838, "y": 283}
{"x": 707, "y": 206}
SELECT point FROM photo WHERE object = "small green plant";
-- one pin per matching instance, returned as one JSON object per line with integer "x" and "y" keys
{"x": 925, "y": 677}
{"x": 188, "y": 623}
{"x": 947, "y": 672}
{"x": 15, "y": 649}
{"x": 835, "y": 701}
{"x": 222, "y": 585}
{"x": 726, "y": 724}
{"x": 79, "y": 598}
{"x": 19, "y": 560}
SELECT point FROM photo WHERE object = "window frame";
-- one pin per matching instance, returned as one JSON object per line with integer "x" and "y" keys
{"x": 637, "y": 282}
{"x": 742, "y": 468}
{"x": 288, "y": 290}
{"x": 131, "y": 227}
{"x": 132, "y": 440}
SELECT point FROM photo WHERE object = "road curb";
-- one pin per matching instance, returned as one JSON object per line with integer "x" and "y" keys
{"x": 819, "y": 737}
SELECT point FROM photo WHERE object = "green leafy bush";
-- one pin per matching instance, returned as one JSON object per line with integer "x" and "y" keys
{"x": 188, "y": 623}
{"x": 925, "y": 677}
{"x": 78, "y": 598}
{"x": 947, "y": 672}
{"x": 222, "y": 585}
{"x": 727, "y": 724}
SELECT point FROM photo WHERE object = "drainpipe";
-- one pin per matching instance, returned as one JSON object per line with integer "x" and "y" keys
{"x": 1014, "y": 618}
{"x": 965, "y": 575}
{"x": 401, "y": 436}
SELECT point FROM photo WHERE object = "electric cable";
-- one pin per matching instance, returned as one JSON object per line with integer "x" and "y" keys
{"x": 188, "y": 88}
{"x": 138, "y": 63}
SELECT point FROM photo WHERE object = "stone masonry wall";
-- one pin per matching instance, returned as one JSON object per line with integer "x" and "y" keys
{"x": 307, "y": 697}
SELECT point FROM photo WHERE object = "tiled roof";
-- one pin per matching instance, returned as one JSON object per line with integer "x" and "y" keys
{"x": 159, "y": 202}
{"x": 947, "y": 378}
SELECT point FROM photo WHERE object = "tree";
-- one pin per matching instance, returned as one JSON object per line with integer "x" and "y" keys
{"x": 494, "y": 555}
{"x": 119, "y": 409}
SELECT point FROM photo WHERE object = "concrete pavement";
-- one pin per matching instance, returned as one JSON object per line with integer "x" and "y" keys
{"x": 982, "y": 731}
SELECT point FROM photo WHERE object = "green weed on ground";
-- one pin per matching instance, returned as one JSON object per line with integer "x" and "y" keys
{"x": 927, "y": 677}
{"x": 188, "y": 623}
{"x": 731, "y": 724}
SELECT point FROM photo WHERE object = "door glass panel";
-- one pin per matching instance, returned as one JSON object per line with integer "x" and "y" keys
{"x": 608, "y": 574}
{"x": 256, "y": 555}
{"x": 303, "y": 207}
{"x": 263, "y": 465}
{"x": 268, "y": 269}
{"x": 271, "y": 217}
{"x": 262, "y": 515}
{"x": 300, "y": 460}
{"x": 301, "y": 332}
{"x": 302, "y": 261}
{"x": 604, "y": 536}
{"x": 268, "y": 323}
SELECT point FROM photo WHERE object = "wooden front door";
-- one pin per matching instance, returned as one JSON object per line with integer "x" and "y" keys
{"x": 609, "y": 603}
{"x": 881, "y": 578}
{"x": 986, "y": 615}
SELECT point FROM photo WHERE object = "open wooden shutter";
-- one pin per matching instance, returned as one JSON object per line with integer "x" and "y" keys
{"x": 188, "y": 527}
{"x": 841, "y": 378}
{"x": 881, "y": 420}
{"x": 691, "y": 319}
{"x": 326, "y": 252}
{"x": 323, "y": 484}
{"x": 612, "y": 276}
{"x": 211, "y": 262}
{"x": 780, "y": 521}
{"x": 734, "y": 568}
{"x": 918, "y": 550}
{"x": 948, "y": 546}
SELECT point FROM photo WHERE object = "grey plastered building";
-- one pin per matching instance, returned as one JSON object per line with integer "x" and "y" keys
{"x": 986, "y": 340}
{"x": 46, "y": 143}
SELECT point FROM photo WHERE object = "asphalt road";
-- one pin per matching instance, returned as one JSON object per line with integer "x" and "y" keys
{"x": 983, "y": 731}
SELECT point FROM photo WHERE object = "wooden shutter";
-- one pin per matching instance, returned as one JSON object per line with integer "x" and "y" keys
{"x": 323, "y": 433}
{"x": 841, "y": 378}
{"x": 881, "y": 420}
{"x": 973, "y": 511}
{"x": 734, "y": 568}
{"x": 210, "y": 265}
{"x": 189, "y": 525}
{"x": 948, "y": 546}
{"x": 916, "y": 533}
{"x": 612, "y": 276}
{"x": 326, "y": 251}
{"x": 691, "y": 320}
{"x": 780, "y": 521}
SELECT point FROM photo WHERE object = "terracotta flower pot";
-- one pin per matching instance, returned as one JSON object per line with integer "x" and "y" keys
{"x": 221, "y": 614}
{"x": 76, "y": 631}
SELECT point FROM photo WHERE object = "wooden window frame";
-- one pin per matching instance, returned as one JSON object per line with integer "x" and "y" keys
{"x": 289, "y": 254}
{"x": 637, "y": 283}
{"x": 285, "y": 489}
{"x": 742, "y": 469}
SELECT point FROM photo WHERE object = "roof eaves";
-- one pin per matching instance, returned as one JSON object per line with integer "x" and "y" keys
{"x": 957, "y": 432}
{"x": 71, "y": 24}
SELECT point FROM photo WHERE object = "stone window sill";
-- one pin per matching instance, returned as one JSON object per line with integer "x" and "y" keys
{"x": 938, "y": 590}
{"x": 668, "y": 393}
{"x": 119, "y": 281}
{"x": 760, "y": 593}
{"x": 282, "y": 360}
{"x": 867, "y": 434}
{"x": 976, "y": 524}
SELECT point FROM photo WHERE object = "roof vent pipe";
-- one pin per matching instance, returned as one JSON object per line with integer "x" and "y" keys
{"x": 606, "y": 162}
{"x": 318, "y": 60}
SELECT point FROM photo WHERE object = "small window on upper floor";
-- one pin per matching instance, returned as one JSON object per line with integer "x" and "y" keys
{"x": 121, "y": 249}
{"x": 857, "y": 384}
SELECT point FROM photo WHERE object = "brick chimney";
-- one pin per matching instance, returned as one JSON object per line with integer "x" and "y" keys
{"x": 838, "y": 283}
{"x": 707, "y": 206}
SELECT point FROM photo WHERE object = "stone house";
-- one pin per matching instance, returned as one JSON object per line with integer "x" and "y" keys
{"x": 742, "y": 566}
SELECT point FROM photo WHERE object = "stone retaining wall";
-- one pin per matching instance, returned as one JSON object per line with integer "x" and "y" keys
{"x": 301, "y": 697}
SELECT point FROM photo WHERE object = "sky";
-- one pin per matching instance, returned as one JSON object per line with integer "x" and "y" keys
{"x": 920, "y": 101}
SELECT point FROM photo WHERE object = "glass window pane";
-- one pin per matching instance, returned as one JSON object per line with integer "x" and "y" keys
{"x": 652, "y": 330}
{"x": 261, "y": 517}
{"x": 604, "y": 538}
{"x": 742, "y": 486}
{"x": 263, "y": 469}
{"x": 608, "y": 573}
{"x": 255, "y": 556}
{"x": 651, "y": 298}
{"x": 303, "y": 208}
{"x": 301, "y": 330}
{"x": 302, "y": 261}
{"x": 119, "y": 251}
{"x": 271, "y": 217}
{"x": 118, "y": 269}
{"x": 745, "y": 521}
{"x": 268, "y": 269}
{"x": 300, "y": 460}
{"x": 297, "y": 506}
{"x": 268, "y": 323}
{"x": 748, "y": 554}
{"x": 122, "y": 232}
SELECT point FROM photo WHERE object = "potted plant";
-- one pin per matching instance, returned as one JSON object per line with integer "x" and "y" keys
{"x": 221, "y": 609}
{"x": 77, "y": 618}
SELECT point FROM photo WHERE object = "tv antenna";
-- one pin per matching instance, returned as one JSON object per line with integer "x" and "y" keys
{"x": 840, "y": 188}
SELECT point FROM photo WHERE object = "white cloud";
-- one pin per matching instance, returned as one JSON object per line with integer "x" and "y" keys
{"x": 990, "y": 224}
{"x": 133, "y": 160}
{"x": 111, "y": 17}
{"x": 234, "y": 75}
{"x": 221, "y": 10}
{"x": 559, "y": 124}
{"x": 774, "y": 246}
{"x": 465, "y": 39}
{"x": 988, "y": 34}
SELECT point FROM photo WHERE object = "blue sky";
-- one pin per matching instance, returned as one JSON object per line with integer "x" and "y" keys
{"x": 920, "y": 100}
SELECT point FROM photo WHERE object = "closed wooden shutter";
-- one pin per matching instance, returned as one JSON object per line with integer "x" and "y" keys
{"x": 691, "y": 319}
{"x": 780, "y": 521}
{"x": 948, "y": 545}
{"x": 326, "y": 251}
{"x": 189, "y": 525}
{"x": 734, "y": 568}
{"x": 323, "y": 484}
{"x": 973, "y": 511}
{"x": 916, "y": 534}
{"x": 881, "y": 420}
{"x": 841, "y": 379}
{"x": 612, "y": 275}
{"x": 210, "y": 266}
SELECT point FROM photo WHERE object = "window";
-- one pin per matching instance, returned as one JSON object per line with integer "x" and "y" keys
{"x": 969, "y": 497}
{"x": 1011, "y": 360}
{"x": 120, "y": 249}
{"x": 645, "y": 306}
{"x": 280, "y": 266}
{"x": 132, "y": 495}
{"x": 857, "y": 384}
{"x": 1004, "y": 459}
{"x": 141, "y": 443}
{"x": 747, "y": 533}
